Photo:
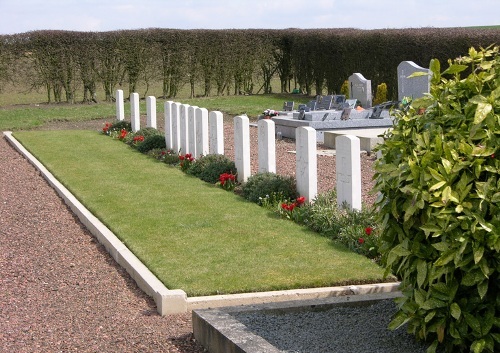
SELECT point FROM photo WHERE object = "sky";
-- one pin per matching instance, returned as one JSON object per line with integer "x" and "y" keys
{"x": 19, "y": 16}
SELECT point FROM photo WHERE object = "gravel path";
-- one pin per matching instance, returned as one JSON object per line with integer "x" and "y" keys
{"x": 61, "y": 291}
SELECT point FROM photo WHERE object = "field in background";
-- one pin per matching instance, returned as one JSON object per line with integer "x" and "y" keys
{"x": 22, "y": 109}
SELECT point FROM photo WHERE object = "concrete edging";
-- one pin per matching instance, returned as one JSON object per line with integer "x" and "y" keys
{"x": 175, "y": 301}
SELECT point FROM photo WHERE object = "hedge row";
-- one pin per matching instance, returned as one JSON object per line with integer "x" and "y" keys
{"x": 223, "y": 61}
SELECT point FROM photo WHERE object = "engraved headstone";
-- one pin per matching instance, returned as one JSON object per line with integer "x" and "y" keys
{"x": 348, "y": 169}
{"x": 306, "y": 162}
{"x": 361, "y": 89}
{"x": 413, "y": 87}
{"x": 267, "y": 146}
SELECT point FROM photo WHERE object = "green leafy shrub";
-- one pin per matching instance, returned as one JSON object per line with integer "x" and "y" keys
{"x": 152, "y": 142}
{"x": 260, "y": 185}
{"x": 133, "y": 138}
{"x": 355, "y": 229}
{"x": 439, "y": 207}
{"x": 380, "y": 94}
{"x": 210, "y": 167}
{"x": 344, "y": 89}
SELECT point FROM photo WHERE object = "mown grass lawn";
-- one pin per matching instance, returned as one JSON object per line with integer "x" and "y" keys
{"x": 192, "y": 235}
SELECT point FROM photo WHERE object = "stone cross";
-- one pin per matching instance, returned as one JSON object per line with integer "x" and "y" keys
{"x": 135, "y": 115}
{"x": 306, "y": 162}
{"x": 120, "y": 110}
{"x": 267, "y": 146}
{"x": 348, "y": 167}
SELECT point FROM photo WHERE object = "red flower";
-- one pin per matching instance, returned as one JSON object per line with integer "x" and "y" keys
{"x": 123, "y": 133}
{"x": 163, "y": 153}
{"x": 188, "y": 155}
{"x": 493, "y": 155}
{"x": 190, "y": 159}
{"x": 301, "y": 200}
{"x": 181, "y": 157}
{"x": 361, "y": 240}
{"x": 368, "y": 230}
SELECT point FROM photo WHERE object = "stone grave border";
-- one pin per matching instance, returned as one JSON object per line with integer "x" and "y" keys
{"x": 175, "y": 301}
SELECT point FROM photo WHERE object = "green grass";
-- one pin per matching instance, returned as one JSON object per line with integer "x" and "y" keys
{"x": 192, "y": 235}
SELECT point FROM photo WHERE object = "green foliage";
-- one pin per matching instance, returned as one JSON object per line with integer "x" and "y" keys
{"x": 152, "y": 142}
{"x": 210, "y": 167}
{"x": 134, "y": 139}
{"x": 380, "y": 94}
{"x": 260, "y": 185}
{"x": 440, "y": 187}
{"x": 118, "y": 125}
{"x": 355, "y": 229}
{"x": 345, "y": 89}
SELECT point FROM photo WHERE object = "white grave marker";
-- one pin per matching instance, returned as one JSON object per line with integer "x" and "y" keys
{"x": 176, "y": 133}
{"x": 307, "y": 165}
{"x": 151, "y": 111}
{"x": 183, "y": 128}
{"x": 120, "y": 110}
{"x": 201, "y": 123}
{"x": 216, "y": 131}
{"x": 348, "y": 167}
{"x": 242, "y": 147}
{"x": 135, "y": 119}
{"x": 267, "y": 146}
{"x": 168, "y": 124}
{"x": 361, "y": 89}
{"x": 192, "y": 130}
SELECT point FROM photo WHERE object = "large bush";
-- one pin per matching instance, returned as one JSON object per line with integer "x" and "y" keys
{"x": 440, "y": 187}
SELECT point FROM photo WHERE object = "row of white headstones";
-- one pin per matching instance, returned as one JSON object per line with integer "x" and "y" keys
{"x": 194, "y": 130}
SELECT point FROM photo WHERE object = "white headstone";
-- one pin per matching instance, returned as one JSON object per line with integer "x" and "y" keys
{"x": 307, "y": 162}
{"x": 413, "y": 87}
{"x": 183, "y": 128}
{"x": 361, "y": 89}
{"x": 176, "y": 133}
{"x": 120, "y": 110}
{"x": 267, "y": 146}
{"x": 168, "y": 124}
{"x": 201, "y": 123}
{"x": 348, "y": 167}
{"x": 135, "y": 119}
{"x": 192, "y": 130}
{"x": 151, "y": 111}
{"x": 242, "y": 147}
{"x": 216, "y": 131}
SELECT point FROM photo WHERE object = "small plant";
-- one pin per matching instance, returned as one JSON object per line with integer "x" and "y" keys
{"x": 186, "y": 161}
{"x": 380, "y": 94}
{"x": 152, "y": 142}
{"x": 227, "y": 181}
{"x": 146, "y": 132}
{"x": 290, "y": 209}
{"x": 210, "y": 167}
{"x": 115, "y": 129}
{"x": 344, "y": 89}
{"x": 262, "y": 184}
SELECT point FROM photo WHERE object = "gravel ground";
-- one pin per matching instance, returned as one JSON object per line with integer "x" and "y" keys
{"x": 61, "y": 291}
{"x": 358, "y": 328}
